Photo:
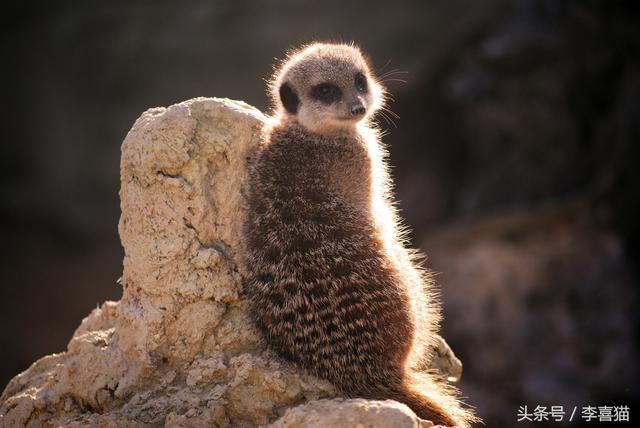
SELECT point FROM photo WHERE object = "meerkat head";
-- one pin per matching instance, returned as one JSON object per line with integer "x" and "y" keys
{"x": 326, "y": 87}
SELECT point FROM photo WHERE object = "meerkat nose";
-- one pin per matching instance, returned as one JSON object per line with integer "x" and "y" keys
{"x": 357, "y": 109}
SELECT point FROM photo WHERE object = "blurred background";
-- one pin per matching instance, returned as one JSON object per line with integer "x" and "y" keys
{"x": 515, "y": 159}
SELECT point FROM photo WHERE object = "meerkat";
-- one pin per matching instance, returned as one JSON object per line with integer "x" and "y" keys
{"x": 331, "y": 283}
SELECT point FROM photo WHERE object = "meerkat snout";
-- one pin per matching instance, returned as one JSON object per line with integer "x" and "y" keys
{"x": 326, "y": 88}
{"x": 357, "y": 109}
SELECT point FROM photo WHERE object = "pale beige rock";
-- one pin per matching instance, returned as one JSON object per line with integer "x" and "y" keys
{"x": 179, "y": 348}
{"x": 356, "y": 413}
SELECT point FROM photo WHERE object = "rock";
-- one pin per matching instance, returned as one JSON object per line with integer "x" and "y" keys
{"x": 179, "y": 349}
{"x": 357, "y": 413}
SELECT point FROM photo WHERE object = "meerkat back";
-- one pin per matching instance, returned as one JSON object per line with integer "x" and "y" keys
{"x": 331, "y": 284}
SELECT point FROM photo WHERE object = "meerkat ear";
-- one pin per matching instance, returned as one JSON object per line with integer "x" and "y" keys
{"x": 289, "y": 99}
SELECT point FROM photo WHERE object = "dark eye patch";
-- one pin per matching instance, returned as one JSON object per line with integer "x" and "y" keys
{"x": 361, "y": 82}
{"x": 326, "y": 93}
{"x": 289, "y": 99}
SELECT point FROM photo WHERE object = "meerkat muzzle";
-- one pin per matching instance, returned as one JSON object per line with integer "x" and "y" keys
{"x": 357, "y": 109}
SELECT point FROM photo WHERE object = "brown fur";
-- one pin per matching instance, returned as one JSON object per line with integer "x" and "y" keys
{"x": 331, "y": 284}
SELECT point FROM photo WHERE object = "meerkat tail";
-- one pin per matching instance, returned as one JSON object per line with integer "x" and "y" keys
{"x": 433, "y": 401}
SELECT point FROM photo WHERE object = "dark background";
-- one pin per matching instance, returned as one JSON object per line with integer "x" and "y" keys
{"x": 514, "y": 157}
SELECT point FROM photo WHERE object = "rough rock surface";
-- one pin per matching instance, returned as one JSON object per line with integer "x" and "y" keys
{"x": 357, "y": 413}
{"x": 178, "y": 349}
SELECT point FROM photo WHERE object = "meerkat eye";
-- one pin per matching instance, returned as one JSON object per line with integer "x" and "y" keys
{"x": 361, "y": 82}
{"x": 289, "y": 98}
{"x": 326, "y": 93}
